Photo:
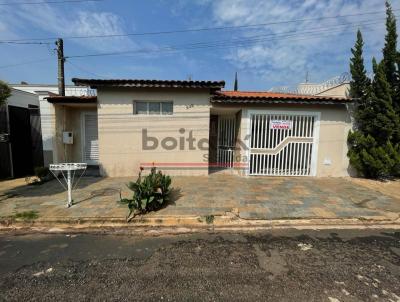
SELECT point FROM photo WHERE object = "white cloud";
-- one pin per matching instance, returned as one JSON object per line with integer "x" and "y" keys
{"x": 72, "y": 22}
{"x": 5, "y": 31}
{"x": 285, "y": 60}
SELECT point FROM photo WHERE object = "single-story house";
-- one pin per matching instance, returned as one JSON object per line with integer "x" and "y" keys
{"x": 196, "y": 128}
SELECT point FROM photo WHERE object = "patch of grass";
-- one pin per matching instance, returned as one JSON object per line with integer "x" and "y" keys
{"x": 26, "y": 215}
{"x": 210, "y": 219}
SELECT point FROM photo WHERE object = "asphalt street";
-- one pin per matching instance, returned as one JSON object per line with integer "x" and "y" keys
{"x": 279, "y": 265}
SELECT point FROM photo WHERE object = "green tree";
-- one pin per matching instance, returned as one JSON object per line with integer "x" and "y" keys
{"x": 360, "y": 83}
{"x": 390, "y": 54}
{"x": 378, "y": 117}
{"x": 5, "y": 92}
{"x": 371, "y": 159}
{"x": 373, "y": 148}
{"x": 396, "y": 100}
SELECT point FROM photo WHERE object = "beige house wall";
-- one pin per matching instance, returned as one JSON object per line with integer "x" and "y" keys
{"x": 120, "y": 130}
{"x": 332, "y": 142}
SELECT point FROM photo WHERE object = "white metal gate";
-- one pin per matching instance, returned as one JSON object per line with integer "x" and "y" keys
{"x": 283, "y": 144}
{"x": 226, "y": 141}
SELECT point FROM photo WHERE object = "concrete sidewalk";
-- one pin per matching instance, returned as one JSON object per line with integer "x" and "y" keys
{"x": 217, "y": 199}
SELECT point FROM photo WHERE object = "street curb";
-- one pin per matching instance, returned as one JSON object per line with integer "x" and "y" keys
{"x": 192, "y": 223}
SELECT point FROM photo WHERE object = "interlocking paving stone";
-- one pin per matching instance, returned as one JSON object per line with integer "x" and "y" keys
{"x": 252, "y": 197}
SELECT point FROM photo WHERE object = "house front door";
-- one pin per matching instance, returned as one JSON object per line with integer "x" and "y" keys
{"x": 90, "y": 138}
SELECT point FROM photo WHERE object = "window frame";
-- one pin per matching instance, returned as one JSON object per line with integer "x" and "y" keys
{"x": 135, "y": 111}
{"x": 135, "y": 108}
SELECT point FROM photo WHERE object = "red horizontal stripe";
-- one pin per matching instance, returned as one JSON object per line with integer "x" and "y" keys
{"x": 191, "y": 164}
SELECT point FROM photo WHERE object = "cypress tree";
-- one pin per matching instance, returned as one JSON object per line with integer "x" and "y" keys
{"x": 372, "y": 160}
{"x": 380, "y": 120}
{"x": 360, "y": 82}
{"x": 390, "y": 54}
{"x": 396, "y": 100}
{"x": 373, "y": 150}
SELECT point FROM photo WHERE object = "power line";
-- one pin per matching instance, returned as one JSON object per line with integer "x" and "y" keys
{"x": 172, "y": 50}
{"x": 260, "y": 42}
{"x": 257, "y": 38}
{"x": 221, "y": 44}
{"x": 249, "y": 43}
{"x": 199, "y": 29}
{"x": 26, "y": 63}
{"x": 208, "y": 44}
{"x": 47, "y": 2}
{"x": 25, "y": 43}
{"x": 85, "y": 70}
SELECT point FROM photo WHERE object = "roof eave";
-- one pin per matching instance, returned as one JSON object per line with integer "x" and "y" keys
{"x": 71, "y": 100}
{"x": 325, "y": 101}
{"x": 133, "y": 83}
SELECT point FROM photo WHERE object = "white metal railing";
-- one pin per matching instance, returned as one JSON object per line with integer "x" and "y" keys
{"x": 79, "y": 91}
{"x": 225, "y": 157}
{"x": 226, "y": 141}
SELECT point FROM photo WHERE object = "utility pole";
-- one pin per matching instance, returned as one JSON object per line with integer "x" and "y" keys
{"x": 61, "y": 61}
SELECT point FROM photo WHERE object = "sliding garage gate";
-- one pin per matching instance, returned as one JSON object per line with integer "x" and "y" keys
{"x": 283, "y": 144}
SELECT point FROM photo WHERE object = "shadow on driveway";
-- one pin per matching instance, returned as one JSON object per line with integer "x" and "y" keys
{"x": 17, "y": 188}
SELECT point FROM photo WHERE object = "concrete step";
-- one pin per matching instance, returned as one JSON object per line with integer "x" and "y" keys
{"x": 92, "y": 171}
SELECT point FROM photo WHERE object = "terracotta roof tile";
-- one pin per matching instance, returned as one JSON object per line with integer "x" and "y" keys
{"x": 268, "y": 97}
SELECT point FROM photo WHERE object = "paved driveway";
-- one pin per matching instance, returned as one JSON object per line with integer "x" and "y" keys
{"x": 248, "y": 198}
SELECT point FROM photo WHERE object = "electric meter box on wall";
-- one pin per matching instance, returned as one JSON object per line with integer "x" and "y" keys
{"x": 68, "y": 137}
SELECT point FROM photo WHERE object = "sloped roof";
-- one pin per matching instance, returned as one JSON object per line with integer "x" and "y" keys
{"x": 56, "y": 99}
{"x": 138, "y": 83}
{"x": 273, "y": 97}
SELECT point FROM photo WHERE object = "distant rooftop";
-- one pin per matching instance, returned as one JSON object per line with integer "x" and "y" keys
{"x": 38, "y": 85}
{"x": 315, "y": 88}
{"x": 70, "y": 90}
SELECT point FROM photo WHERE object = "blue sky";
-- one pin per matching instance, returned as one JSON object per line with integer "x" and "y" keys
{"x": 264, "y": 56}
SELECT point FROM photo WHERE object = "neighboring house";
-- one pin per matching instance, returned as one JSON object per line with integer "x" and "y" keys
{"x": 194, "y": 127}
{"x": 338, "y": 86}
{"x": 20, "y": 135}
{"x": 337, "y": 90}
{"x": 41, "y": 91}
